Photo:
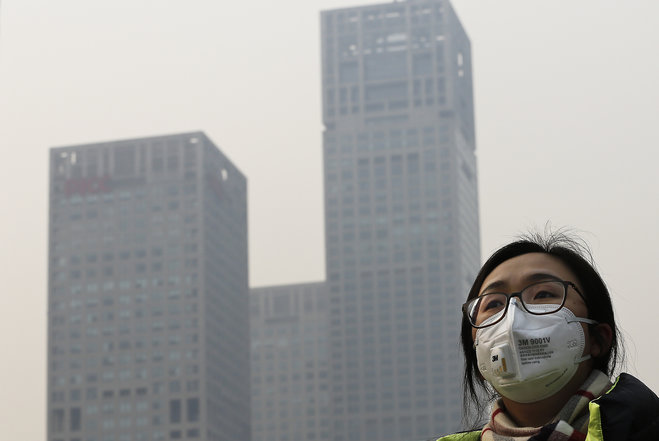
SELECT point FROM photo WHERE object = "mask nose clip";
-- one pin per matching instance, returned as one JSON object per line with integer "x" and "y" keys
{"x": 515, "y": 301}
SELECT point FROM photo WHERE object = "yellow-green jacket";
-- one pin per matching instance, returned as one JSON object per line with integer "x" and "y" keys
{"x": 629, "y": 411}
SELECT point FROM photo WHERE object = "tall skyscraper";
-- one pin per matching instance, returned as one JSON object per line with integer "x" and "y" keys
{"x": 290, "y": 363}
{"x": 148, "y": 292}
{"x": 401, "y": 215}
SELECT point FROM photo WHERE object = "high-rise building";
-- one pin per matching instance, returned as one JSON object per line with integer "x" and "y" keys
{"x": 290, "y": 363}
{"x": 148, "y": 292}
{"x": 401, "y": 215}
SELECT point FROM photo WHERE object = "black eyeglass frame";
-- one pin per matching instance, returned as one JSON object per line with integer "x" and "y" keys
{"x": 566, "y": 284}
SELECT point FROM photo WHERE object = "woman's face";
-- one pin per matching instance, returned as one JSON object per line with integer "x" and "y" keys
{"x": 517, "y": 273}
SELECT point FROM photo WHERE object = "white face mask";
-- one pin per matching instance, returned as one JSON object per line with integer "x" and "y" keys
{"x": 527, "y": 357}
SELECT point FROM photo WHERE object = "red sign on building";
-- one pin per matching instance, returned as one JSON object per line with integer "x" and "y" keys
{"x": 83, "y": 186}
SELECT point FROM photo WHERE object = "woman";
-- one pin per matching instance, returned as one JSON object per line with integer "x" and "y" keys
{"x": 538, "y": 332}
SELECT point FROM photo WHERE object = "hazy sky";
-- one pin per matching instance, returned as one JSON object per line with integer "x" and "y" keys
{"x": 567, "y": 106}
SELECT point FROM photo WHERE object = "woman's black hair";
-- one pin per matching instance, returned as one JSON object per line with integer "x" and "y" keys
{"x": 574, "y": 253}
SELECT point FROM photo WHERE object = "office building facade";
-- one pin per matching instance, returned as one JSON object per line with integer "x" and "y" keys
{"x": 401, "y": 215}
{"x": 290, "y": 363}
{"x": 148, "y": 292}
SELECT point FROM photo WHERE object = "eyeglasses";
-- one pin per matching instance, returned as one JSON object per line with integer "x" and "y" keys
{"x": 491, "y": 308}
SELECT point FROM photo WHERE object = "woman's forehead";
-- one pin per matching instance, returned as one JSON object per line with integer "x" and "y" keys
{"x": 517, "y": 271}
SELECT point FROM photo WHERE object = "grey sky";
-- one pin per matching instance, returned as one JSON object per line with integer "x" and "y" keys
{"x": 566, "y": 112}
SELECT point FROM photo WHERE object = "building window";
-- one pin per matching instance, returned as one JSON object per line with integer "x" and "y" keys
{"x": 58, "y": 420}
{"x": 193, "y": 409}
{"x": 175, "y": 411}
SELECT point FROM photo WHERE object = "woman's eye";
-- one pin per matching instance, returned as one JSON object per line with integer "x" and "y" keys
{"x": 545, "y": 295}
{"x": 492, "y": 304}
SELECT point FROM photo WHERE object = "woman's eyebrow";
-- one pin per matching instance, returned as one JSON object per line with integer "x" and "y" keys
{"x": 533, "y": 277}
{"x": 537, "y": 277}
{"x": 497, "y": 284}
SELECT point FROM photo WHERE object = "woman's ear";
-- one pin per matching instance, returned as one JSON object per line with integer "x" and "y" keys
{"x": 600, "y": 339}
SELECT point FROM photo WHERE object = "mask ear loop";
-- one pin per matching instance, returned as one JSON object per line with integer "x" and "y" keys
{"x": 581, "y": 359}
{"x": 583, "y": 320}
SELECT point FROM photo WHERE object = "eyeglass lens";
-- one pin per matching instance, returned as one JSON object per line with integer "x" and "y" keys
{"x": 491, "y": 307}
